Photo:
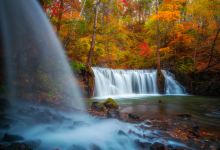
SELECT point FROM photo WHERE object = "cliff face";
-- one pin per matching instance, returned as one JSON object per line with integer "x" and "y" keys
{"x": 86, "y": 81}
{"x": 200, "y": 83}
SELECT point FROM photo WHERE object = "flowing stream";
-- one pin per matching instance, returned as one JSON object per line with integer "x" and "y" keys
{"x": 117, "y": 82}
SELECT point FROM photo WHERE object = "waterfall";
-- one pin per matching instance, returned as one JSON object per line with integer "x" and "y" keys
{"x": 172, "y": 86}
{"x": 113, "y": 82}
{"x": 36, "y": 66}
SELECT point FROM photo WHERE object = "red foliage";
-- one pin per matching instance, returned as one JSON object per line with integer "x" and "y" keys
{"x": 144, "y": 49}
{"x": 124, "y": 2}
{"x": 54, "y": 8}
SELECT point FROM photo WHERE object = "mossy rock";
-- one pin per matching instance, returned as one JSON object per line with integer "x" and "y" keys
{"x": 110, "y": 104}
{"x": 107, "y": 105}
{"x": 98, "y": 106}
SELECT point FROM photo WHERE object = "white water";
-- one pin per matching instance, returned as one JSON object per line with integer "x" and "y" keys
{"x": 48, "y": 129}
{"x": 117, "y": 82}
{"x": 36, "y": 66}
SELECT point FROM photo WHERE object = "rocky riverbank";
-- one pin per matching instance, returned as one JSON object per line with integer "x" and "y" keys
{"x": 181, "y": 127}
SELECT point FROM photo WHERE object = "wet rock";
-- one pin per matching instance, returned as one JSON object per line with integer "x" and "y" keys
{"x": 133, "y": 116}
{"x": 94, "y": 147}
{"x": 12, "y": 138}
{"x": 172, "y": 147}
{"x": 98, "y": 106}
{"x": 185, "y": 116}
{"x": 157, "y": 146}
{"x": 113, "y": 113}
{"x": 195, "y": 131}
{"x": 120, "y": 132}
{"x": 142, "y": 145}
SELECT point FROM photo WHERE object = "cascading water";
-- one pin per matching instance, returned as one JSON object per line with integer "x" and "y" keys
{"x": 110, "y": 82}
{"x": 36, "y": 66}
{"x": 172, "y": 86}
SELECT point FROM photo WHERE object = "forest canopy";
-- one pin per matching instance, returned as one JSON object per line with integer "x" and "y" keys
{"x": 127, "y": 33}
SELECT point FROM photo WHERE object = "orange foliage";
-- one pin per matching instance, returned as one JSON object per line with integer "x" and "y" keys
{"x": 167, "y": 16}
{"x": 165, "y": 49}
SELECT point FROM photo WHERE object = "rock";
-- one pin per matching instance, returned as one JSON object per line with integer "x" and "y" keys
{"x": 110, "y": 104}
{"x": 142, "y": 145}
{"x": 195, "y": 131}
{"x": 133, "y": 116}
{"x": 113, "y": 113}
{"x": 185, "y": 116}
{"x": 12, "y": 138}
{"x": 94, "y": 147}
{"x": 171, "y": 147}
{"x": 122, "y": 133}
{"x": 98, "y": 106}
{"x": 157, "y": 146}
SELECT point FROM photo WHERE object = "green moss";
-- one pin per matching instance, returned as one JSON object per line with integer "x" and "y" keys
{"x": 77, "y": 66}
{"x": 106, "y": 105}
{"x": 110, "y": 104}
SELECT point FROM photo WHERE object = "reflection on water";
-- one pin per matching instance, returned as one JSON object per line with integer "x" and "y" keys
{"x": 205, "y": 109}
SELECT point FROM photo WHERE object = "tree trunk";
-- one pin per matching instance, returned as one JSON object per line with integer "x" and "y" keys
{"x": 90, "y": 54}
{"x": 60, "y": 16}
{"x": 194, "y": 59}
{"x": 160, "y": 77}
{"x": 213, "y": 48}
